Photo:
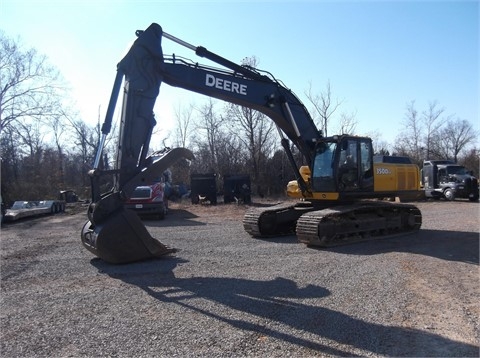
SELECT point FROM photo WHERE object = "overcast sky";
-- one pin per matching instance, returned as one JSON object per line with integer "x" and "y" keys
{"x": 378, "y": 56}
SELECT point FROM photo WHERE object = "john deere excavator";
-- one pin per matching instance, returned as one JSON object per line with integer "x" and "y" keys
{"x": 334, "y": 190}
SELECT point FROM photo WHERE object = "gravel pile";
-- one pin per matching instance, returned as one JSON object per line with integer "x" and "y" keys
{"x": 225, "y": 294}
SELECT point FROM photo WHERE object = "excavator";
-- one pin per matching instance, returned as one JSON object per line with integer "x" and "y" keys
{"x": 336, "y": 193}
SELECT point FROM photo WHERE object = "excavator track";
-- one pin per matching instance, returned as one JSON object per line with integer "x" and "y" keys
{"x": 359, "y": 222}
{"x": 275, "y": 220}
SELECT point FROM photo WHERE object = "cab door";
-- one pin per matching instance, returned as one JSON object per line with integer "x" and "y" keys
{"x": 355, "y": 164}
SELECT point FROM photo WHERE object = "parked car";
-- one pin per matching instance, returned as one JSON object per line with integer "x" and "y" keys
{"x": 149, "y": 200}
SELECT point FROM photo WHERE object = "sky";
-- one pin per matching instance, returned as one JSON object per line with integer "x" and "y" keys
{"x": 377, "y": 56}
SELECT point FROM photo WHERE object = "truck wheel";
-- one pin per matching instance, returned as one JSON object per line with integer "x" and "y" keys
{"x": 449, "y": 194}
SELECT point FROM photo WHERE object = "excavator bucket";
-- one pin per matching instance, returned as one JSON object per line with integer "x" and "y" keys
{"x": 122, "y": 238}
{"x": 117, "y": 235}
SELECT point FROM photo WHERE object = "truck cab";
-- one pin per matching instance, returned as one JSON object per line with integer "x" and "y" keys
{"x": 149, "y": 200}
{"x": 448, "y": 180}
{"x": 152, "y": 199}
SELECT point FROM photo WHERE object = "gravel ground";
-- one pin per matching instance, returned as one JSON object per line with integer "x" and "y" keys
{"x": 225, "y": 294}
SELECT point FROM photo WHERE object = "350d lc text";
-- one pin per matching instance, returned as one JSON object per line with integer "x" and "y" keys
{"x": 383, "y": 171}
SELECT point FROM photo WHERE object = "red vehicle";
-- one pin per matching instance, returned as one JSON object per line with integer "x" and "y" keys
{"x": 149, "y": 200}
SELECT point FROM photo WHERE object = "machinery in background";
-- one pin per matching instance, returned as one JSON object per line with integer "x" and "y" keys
{"x": 203, "y": 188}
{"x": 445, "y": 179}
{"x": 27, "y": 209}
{"x": 237, "y": 188}
{"x": 69, "y": 196}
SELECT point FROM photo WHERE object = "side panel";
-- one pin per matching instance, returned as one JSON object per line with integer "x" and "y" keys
{"x": 395, "y": 177}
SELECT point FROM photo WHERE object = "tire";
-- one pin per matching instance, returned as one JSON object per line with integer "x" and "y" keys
{"x": 449, "y": 194}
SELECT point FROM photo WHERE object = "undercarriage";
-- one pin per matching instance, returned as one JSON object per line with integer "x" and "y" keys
{"x": 333, "y": 225}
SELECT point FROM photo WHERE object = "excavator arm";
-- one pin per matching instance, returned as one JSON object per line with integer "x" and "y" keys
{"x": 261, "y": 94}
{"x": 244, "y": 86}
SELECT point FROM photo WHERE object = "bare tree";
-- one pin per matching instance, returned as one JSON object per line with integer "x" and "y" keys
{"x": 30, "y": 89}
{"x": 255, "y": 131}
{"x": 86, "y": 139}
{"x": 454, "y": 138}
{"x": 31, "y": 96}
{"x": 348, "y": 123}
{"x": 210, "y": 123}
{"x": 470, "y": 160}
{"x": 184, "y": 121}
{"x": 409, "y": 141}
{"x": 31, "y": 136}
{"x": 433, "y": 136}
{"x": 10, "y": 157}
{"x": 432, "y": 124}
{"x": 380, "y": 146}
{"x": 231, "y": 154}
{"x": 323, "y": 106}
{"x": 33, "y": 101}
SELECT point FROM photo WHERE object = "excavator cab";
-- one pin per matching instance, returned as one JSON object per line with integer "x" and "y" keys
{"x": 343, "y": 164}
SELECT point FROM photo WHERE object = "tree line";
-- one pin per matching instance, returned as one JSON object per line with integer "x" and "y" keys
{"x": 46, "y": 147}
{"x": 434, "y": 134}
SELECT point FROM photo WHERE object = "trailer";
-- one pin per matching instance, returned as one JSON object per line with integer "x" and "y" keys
{"x": 203, "y": 188}
{"x": 237, "y": 188}
{"x": 25, "y": 209}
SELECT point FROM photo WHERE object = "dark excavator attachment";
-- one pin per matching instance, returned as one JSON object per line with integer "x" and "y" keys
{"x": 117, "y": 235}
{"x": 113, "y": 233}
{"x": 122, "y": 238}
